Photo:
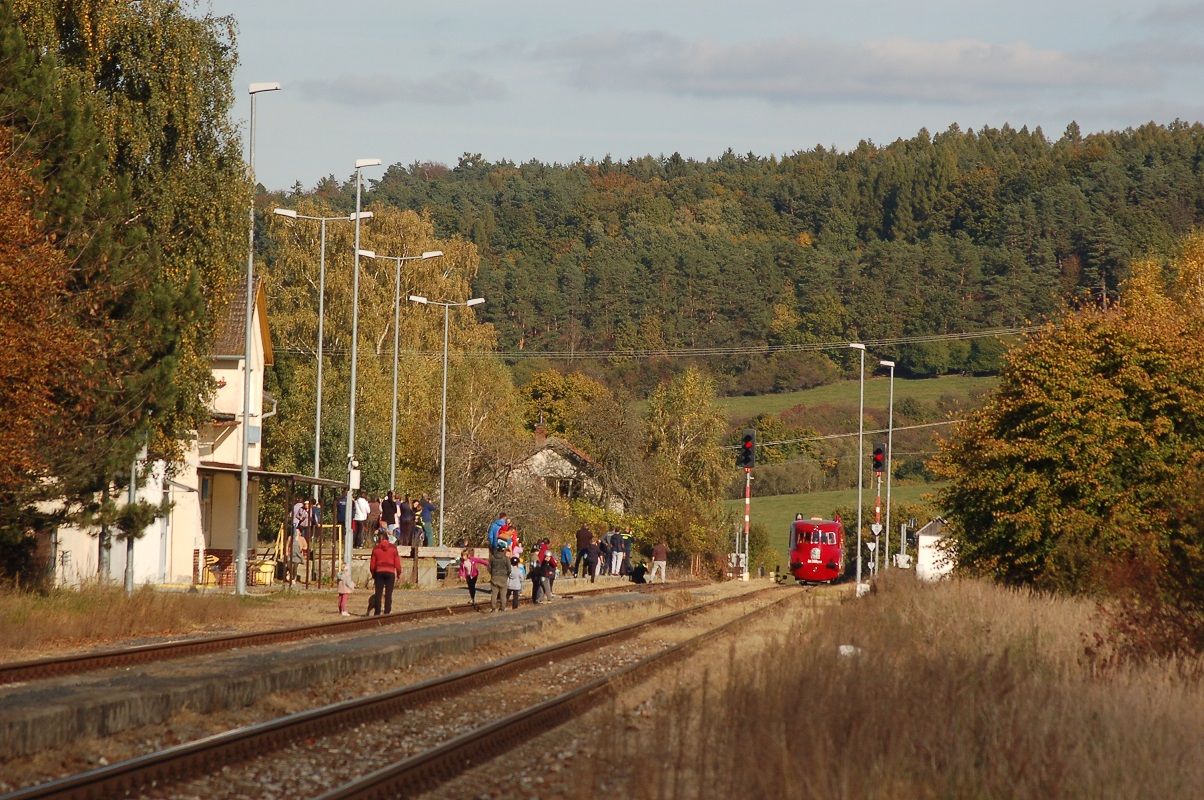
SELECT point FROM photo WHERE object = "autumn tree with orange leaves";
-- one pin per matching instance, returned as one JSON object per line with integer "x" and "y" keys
{"x": 1081, "y": 472}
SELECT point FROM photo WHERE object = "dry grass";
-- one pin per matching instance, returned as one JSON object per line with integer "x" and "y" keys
{"x": 65, "y": 618}
{"x": 962, "y": 689}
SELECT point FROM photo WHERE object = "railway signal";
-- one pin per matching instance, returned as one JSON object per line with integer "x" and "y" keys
{"x": 879, "y": 459}
{"x": 747, "y": 456}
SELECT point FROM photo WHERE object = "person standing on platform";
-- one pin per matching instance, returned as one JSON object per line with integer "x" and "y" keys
{"x": 496, "y": 526}
{"x": 499, "y": 576}
{"x": 660, "y": 559}
{"x": 593, "y": 559}
{"x": 359, "y": 519}
{"x": 388, "y": 512}
{"x": 428, "y": 519}
{"x": 584, "y": 537}
{"x": 384, "y": 565}
{"x": 514, "y": 585}
{"x": 566, "y": 559}
{"x": 346, "y": 587}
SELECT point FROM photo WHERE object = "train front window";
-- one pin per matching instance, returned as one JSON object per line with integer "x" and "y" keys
{"x": 815, "y": 537}
{"x": 830, "y": 537}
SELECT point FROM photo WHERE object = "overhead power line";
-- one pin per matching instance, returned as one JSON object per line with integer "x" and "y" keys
{"x": 695, "y": 352}
{"x": 828, "y": 436}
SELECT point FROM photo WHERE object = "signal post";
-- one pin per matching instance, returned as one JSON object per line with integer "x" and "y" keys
{"x": 746, "y": 459}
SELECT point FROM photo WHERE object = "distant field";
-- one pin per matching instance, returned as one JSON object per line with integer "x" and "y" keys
{"x": 776, "y": 511}
{"x": 925, "y": 390}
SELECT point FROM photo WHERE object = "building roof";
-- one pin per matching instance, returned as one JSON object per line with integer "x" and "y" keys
{"x": 229, "y": 339}
{"x": 218, "y": 466}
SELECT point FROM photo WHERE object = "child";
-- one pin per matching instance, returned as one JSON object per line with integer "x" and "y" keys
{"x": 469, "y": 572}
{"x": 345, "y": 588}
{"x": 514, "y": 585}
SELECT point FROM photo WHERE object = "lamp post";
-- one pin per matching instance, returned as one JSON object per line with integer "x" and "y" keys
{"x": 285, "y": 212}
{"x": 476, "y": 301}
{"x": 360, "y": 163}
{"x": 240, "y": 543}
{"x": 396, "y": 331}
{"x": 890, "y": 437}
{"x": 860, "y": 454}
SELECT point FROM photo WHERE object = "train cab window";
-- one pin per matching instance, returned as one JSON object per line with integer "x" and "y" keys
{"x": 830, "y": 537}
{"x": 815, "y": 537}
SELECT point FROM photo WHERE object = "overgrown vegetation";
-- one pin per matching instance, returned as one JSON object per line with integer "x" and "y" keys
{"x": 69, "y": 617}
{"x": 959, "y": 689}
{"x": 1076, "y": 475}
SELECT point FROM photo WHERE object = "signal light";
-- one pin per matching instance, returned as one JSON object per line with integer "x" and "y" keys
{"x": 747, "y": 457}
{"x": 879, "y": 459}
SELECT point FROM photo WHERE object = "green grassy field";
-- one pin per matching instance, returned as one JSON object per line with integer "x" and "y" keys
{"x": 877, "y": 389}
{"x": 777, "y": 511}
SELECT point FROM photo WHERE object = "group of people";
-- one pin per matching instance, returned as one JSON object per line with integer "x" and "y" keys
{"x": 608, "y": 554}
{"x": 407, "y": 521}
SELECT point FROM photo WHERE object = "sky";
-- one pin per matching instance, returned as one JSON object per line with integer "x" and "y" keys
{"x": 558, "y": 80}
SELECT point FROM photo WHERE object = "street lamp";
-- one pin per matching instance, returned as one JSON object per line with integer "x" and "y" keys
{"x": 360, "y": 163}
{"x": 890, "y": 437}
{"x": 288, "y": 212}
{"x": 860, "y": 454}
{"x": 240, "y": 543}
{"x": 396, "y": 329}
{"x": 476, "y": 301}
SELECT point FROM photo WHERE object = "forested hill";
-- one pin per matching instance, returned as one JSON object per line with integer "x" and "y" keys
{"x": 954, "y": 232}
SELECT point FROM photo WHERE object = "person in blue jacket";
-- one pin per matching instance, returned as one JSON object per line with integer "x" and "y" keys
{"x": 566, "y": 559}
{"x": 501, "y": 520}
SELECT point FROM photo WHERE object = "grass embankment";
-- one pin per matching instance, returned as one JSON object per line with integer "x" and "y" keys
{"x": 961, "y": 689}
{"x": 67, "y": 617}
{"x": 877, "y": 394}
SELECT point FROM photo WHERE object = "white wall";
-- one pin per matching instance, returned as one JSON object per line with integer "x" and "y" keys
{"x": 931, "y": 561}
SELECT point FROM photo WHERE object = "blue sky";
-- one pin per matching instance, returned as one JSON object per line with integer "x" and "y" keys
{"x": 554, "y": 81}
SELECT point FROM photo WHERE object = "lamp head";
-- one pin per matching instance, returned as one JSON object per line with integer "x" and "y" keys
{"x": 417, "y": 298}
{"x": 360, "y": 163}
{"x": 890, "y": 364}
{"x": 362, "y": 215}
{"x": 265, "y": 86}
{"x": 285, "y": 212}
{"x": 857, "y": 345}
{"x": 432, "y": 254}
{"x": 366, "y": 253}
{"x": 476, "y": 301}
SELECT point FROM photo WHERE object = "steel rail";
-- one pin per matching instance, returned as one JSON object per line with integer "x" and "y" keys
{"x": 192, "y": 758}
{"x": 427, "y": 770}
{"x": 41, "y": 669}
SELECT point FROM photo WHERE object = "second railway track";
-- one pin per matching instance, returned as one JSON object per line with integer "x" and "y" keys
{"x": 135, "y": 776}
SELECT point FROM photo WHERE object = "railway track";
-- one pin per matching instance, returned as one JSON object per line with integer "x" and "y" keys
{"x": 42, "y": 669}
{"x": 173, "y": 765}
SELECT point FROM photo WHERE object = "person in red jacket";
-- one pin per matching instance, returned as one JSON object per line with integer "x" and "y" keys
{"x": 384, "y": 566}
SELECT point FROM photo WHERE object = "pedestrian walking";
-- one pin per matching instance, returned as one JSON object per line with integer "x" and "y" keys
{"x": 346, "y": 586}
{"x": 384, "y": 565}
{"x": 469, "y": 572}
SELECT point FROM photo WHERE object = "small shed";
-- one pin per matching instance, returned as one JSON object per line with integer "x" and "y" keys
{"x": 932, "y": 559}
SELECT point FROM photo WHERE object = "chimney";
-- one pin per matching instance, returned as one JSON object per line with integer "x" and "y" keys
{"x": 541, "y": 435}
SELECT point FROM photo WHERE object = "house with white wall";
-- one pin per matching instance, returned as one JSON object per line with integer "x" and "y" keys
{"x": 204, "y": 487}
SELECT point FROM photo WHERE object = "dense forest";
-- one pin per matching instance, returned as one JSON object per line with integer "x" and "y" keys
{"x": 961, "y": 231}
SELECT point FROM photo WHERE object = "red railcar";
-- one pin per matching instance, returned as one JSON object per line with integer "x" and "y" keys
{"x": 816, "y": 550}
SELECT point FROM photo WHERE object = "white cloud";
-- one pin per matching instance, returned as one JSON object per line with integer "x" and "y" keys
{"x": 961, "y": 70}
{"x": 458, "y": 87}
